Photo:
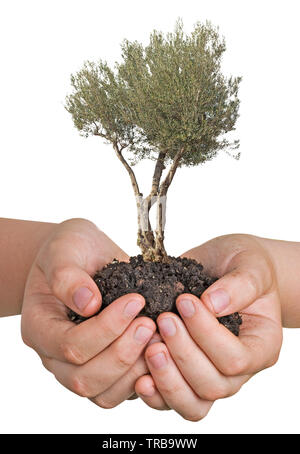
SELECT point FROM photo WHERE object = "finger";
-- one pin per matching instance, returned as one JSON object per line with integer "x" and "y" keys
{"x": 66, "y": 266}
{"x": 217, "y": 342}
{"x": 172, "y": 386}
{"x": 248, "y": 276}
{"x": 200, "y": 373}
{"x": 86, "y": 340}
{"x": 124, "y": 388}
{"x": 147, "y": 391}
{"x": 75, "y": 288}
{"x": 52, "y": 335}
{"x": 155, "y": 338}
{"x": 101, "y": 372}
{"x": 45, "y": 328}
{"x": 227, "y": 352}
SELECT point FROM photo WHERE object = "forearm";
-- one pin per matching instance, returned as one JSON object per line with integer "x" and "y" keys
{"x": 19, "y": 244}
{"x": 285, "y": 256}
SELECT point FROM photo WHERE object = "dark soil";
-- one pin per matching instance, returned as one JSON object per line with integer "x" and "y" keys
{"x": 159, "y": 283}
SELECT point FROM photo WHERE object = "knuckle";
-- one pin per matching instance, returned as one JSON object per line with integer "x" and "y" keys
{"x": 273, "y": 360}
{"x": 249, "y": 280}
{"x": 139, "y": 368}
{"x": 46, "y": 363}
{"x": 193, "y": 417}
{"x": 79, "y": 386}
{"x": 215, "y": 392}
{"x": 170, "y": 389}
{"x": 182, "y": 357}
{"x": 60, "y": 277}
{"x": 25, "y": 338}
{"x": 110, "y": 332}
{"x": 104, "y": 403}
{"x": 76, "y": 221}
{"x": 52, "y": 247}
{"x": 238, "y": 365}
{"x": 123, "y": 357}
{"x": 28, "y": 322}
{"x": 71, "y": 354}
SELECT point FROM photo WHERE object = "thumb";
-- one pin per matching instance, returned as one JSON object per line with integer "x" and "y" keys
{"x": 248, "y": 276}
{"x": 76, "y": 289}
{"x": 69, "y": 282}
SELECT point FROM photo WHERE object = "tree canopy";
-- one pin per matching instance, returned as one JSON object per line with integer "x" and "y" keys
{"x": 168, "y": 95}
{"x": 168, "y": 101}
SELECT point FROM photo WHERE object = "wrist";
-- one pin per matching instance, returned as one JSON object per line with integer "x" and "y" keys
{"x": 22, "y": 241}
{"x": 285, "y": 257}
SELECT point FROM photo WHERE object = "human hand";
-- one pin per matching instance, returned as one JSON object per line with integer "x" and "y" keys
{"x": 199, "y": 360}
{"x": 100, "y": 358}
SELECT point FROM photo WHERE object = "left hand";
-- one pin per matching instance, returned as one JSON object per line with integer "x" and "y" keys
{"x": 102, "y": 357}
{"x": 199, "y": 360}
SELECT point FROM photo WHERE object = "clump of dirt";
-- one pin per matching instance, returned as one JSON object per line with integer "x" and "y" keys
{"x": 159, "y": 283}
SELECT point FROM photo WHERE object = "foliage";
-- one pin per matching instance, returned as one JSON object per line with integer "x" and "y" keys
{"x": 168, "y": 95}
{"x": 168, "y": 101}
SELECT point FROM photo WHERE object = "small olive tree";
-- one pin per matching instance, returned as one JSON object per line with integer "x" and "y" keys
{"x": 167, "y": 101}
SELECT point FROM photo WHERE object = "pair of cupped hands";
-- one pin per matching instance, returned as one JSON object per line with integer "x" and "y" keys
{"x": 182, "y": 363}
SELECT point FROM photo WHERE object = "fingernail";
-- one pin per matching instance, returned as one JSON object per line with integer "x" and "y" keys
{"x": 143, "y": 334}
{"x": 132, "y": 308}
{"x": 158, "y": 361}
{"x": 219, "y": 299}
{"x": 82, "y": 297}
{"x": 186, "y": 308}
{"x": 167, "y": 327}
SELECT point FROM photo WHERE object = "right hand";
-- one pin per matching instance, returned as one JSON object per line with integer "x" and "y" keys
{"x": 199, "y": 360}
{"x": 101, "y": 358}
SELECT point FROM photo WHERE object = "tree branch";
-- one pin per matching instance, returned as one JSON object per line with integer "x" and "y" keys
{"x": 158, "y": 170}
{"x": 97, "y": 133}
{"x": 142, "y": 221}
{"x": 170, "y": 175}
{"x": 129, "y": 169}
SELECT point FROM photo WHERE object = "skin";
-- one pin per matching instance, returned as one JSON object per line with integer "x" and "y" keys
{"x": 192, "y": 361}
{"x": 285, "y": 255}
{"x": 101, "y": 358}
{"x": 198, "y": 360}
{"x": 20, "y": 241}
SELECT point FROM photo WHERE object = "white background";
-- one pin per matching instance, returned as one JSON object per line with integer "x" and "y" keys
{"x": 50, "y": 173}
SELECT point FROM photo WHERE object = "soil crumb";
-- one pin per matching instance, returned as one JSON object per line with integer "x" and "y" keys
{"x": 159, "y": 283}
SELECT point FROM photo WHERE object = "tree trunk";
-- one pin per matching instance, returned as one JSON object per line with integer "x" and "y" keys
{"x": 151, "y": 244}
{"x": 145, "y": 239}
{"x": 160, "y": 251}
